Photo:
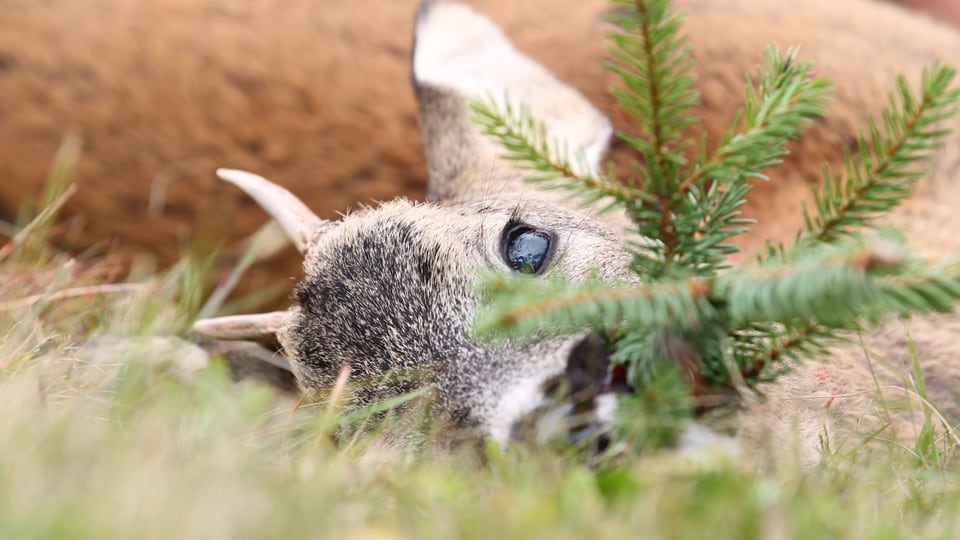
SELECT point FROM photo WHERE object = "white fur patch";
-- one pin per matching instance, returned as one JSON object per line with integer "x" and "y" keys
{"x": 605, "y": 408}
{"x": 518, "y": 401}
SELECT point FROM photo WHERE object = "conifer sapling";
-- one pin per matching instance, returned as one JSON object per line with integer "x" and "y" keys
{"x": 696, "y": 330}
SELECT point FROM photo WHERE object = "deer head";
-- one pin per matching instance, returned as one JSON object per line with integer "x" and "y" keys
{"x": 390, "y": 291}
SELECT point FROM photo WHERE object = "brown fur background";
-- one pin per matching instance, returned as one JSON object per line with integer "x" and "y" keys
{"x": 316, "y": 96}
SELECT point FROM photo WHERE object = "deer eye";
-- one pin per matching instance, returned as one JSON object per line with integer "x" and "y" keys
{"x": 526, "y": 249}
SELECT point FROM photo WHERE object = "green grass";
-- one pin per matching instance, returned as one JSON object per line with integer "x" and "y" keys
{"x": 99, "y": 440}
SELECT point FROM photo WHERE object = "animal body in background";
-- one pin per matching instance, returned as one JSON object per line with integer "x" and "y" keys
{"x": 315, "y": 95}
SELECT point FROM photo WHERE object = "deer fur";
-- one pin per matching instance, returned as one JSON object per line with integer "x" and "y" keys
{"x": 389, "y": 291}
{"x": 315, "y": 94}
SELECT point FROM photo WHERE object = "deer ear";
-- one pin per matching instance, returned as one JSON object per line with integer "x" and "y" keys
{"x": 460, "y": 55}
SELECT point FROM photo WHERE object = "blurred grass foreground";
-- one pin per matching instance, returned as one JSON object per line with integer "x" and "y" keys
{"x": 111, "y": 426}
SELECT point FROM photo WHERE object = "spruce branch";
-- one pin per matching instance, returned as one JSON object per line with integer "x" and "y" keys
{"x": 926, "y": 288}
{"x": 761, "y": 347}
{"x": 761, "y": 316}
{"x": 651, "y": 58}
{"x": 526, "y": 305}
{"x": 765, "y": 350}
{"x": 886, "y": 165}
{"x": 714, "y": 215}
{"x": 834, "y": 288}
{"x": 525, "y": 140}
{"x": 784, "y": 99}
{"x": 725, "y": 327}
{"x": 837, "y": 287}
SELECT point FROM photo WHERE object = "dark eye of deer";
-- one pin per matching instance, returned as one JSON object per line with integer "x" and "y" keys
{"x": 526, "y": 249}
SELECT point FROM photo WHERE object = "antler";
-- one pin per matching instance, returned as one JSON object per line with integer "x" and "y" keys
{"x": 298, "y": 221}
{"x": 259, "y": 327}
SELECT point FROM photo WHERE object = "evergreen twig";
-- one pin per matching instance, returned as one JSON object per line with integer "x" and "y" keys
{"x": 727, "y": 327}
{"x": 525, "y": 140}
{"x": 888, "y": 163}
